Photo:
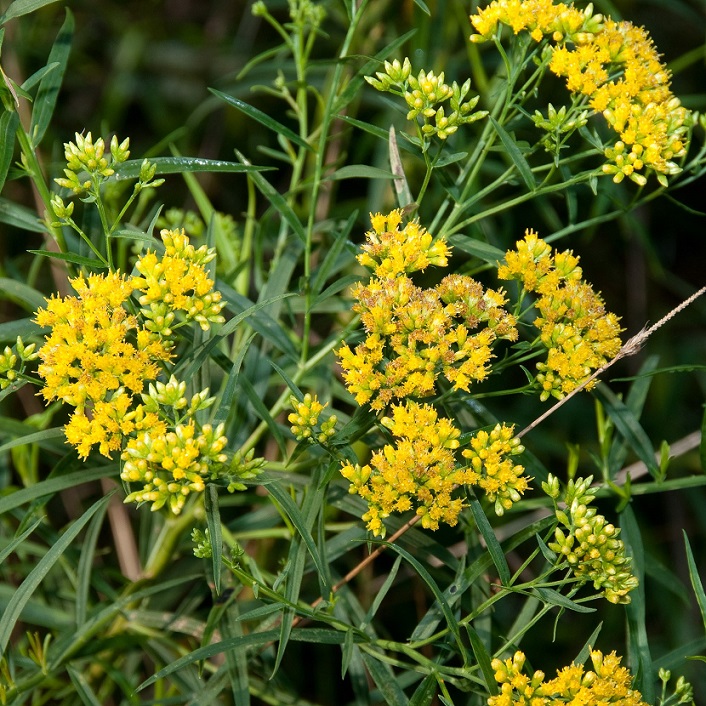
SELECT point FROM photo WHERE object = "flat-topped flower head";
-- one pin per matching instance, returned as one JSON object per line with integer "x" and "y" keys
{"x": 608, "y": 684}
{"x": 574, "y": 326}
{"x": 617, "y": 67}
{"x": 175, "y": 288}
{"x": 391, "y": 251}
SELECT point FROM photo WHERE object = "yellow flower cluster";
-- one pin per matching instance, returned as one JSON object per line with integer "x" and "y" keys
{"x": 96, "y": 353}
{"x": 573, "y": 324}
{"x": 172, "y": 464}
{"x": 306, "y": 416}
{"x": 590, "y": 544}
{"x": 414, "y": 334}
{"x": 420, "y": 472}
{"x": 425, "y": 94}
{"x": 492, "y": 468}
{"x": 638, "y": 104}
{"x": 607, "y": 684}
{"x": 177, "y": 283}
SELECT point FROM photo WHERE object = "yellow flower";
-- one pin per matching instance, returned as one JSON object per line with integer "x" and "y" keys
{"x": 418, "y": 472}
{"x": 391, "y": 252}
{"x": 170, "y": 465}
{"x": 609, "y": 684}
{"x": 574, "y": 326}
{"x": 177, "y": 283}
{"x": 618, "y": 68}
{"x": 492, "y": 468}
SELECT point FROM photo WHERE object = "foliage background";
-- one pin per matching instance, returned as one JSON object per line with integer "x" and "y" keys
{"x": 143, "y": 68}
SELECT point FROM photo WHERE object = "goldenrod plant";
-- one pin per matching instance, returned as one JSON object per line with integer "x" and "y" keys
{"x": 351, "y": 431}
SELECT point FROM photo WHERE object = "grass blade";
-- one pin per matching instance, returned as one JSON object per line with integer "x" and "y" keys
{"x": 515, "y": 154}
{"x": 35, "y": 577}
{"x": 385, "y": 681}
{"x": 213, "y": 520}
{"x": 262, "y": 118}
{"x": 695, "y": 579}
{"x": 8, "y": 127}
{"x": 488, "y": 535}
{"x": 48, "y": 92}
{"x": 23, "y": 7}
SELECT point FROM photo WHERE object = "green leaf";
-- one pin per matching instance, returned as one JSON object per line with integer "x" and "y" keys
{"x": 325, "y": 269}
{"x": 385, "y": 681}
{"x": 696, "y": 583}
{"x": 423, "y": 6}
{"x": 483, "y": 659}
{"x": 83, "y": 689}
{"x": 515, "y": 154}
{"x": 380, "y": 596}
{"x": 10, "y": 330}
{"x": 276, "y": 200}
{"x": 23, "y": 7}
{"x": 9, "y": 121}
{"x": 22, "y": 294}
{"x": 19, "y": 216}
{"x": 213, "y": 520}
{"x": 438, "y": 595}
{"x": 11, "y": 546}
{"x": 228, "y": 394}
{"x": 36, "y": 576}
{"x": 70, "y": 257}
{"x": 54, "y": 485}
{"x": 360, "y": 171}
{"x": 262, "y": 118}
{"x": 84, "y": 571}
{"x": 404, "y": 193}
{"x": 627, "y": 424}
{"x": 179, "y": 165}
{"x": 549, "y": 595}
{"x": 484, "y": 251}
{"x": 45, "y": 102}
{"x": 425, "y": 692}
{"x": 33, "y": 438}
{"x": 488, "y": 535}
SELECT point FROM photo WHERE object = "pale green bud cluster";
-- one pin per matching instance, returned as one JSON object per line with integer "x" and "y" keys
{"x": 683, "y": 691}
{"x": 559, "y": 126}
{"x": 85, "y": 157}
{"x": 9, "y": 370}
{"x": 424, "y": 94}
{"x": 173, "y": 394}
{"x": 305, "y": 418}
{"x": 588, "y": 542}
{"x": 242, "y": 467}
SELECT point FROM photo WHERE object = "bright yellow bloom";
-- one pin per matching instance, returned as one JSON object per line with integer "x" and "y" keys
{"x": 88, "y": 353}
{"x": 617, "y": 67}
{"x": 608, "y": 684}
{"x": 415, "y": 334}
{"x": 418, "y": 472}
{"x": 492, "y": 468}
{"x": 172, "y": 465}
{"x": 177, "y": 283}
{"x": 390, "y": 251}
{"x": 580, "y": 336}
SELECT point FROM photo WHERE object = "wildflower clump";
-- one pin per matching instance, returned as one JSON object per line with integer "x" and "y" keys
{"x": 177, "y": 284}
{"x": 415, "y": 334}
{"x": 616, "y": 67}
{"x": 606, "y": 684}
{"x": 305, "y": 418}
{"x": 578, "y": 333}
{"x": 588, "y": 542}
{"x": 172, "y": 455}
{"x": 419, "y": 471}
{"x": 96, "y": 358}
{"x": 425, "y": 95}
